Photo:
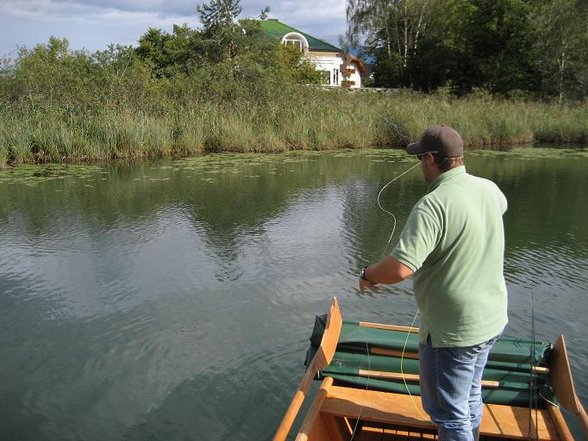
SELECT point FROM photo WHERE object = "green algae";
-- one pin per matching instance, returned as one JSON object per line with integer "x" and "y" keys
{"x": 239, "y": 162}
{"x": 212, "y": 167}
{"x": 531, "y": 153}
{"x": 36, "y": 174}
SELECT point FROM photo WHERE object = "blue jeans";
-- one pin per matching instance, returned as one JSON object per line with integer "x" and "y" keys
{"x": 451, "y": 388}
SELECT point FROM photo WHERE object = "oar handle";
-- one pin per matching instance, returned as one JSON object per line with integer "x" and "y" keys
{"x": 409, "y": 377}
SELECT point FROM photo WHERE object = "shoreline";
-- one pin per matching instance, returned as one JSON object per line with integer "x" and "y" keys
{"x": 514, "y": 149}
{"x": 311, "y": 120}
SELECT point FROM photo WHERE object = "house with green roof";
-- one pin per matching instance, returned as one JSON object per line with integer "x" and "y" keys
{"x": 340, "y": 69}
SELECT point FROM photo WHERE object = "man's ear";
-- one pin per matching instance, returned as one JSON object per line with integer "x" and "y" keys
{"x": 429, "y": 158}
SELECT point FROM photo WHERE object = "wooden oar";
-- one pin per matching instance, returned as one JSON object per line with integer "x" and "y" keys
{"x": 321, "y": 360}
{"x": 400, "y": 328}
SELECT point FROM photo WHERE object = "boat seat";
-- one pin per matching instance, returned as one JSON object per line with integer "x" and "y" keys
{"x": 406, "y": 410}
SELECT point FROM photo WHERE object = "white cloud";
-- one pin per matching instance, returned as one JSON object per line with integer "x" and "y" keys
{"x": 93, "y": 24}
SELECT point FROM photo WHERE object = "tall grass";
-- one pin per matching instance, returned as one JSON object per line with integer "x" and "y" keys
{"x": 307, "y": 119}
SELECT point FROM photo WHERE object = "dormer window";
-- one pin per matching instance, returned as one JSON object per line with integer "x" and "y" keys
{"x": 295, "y": 39}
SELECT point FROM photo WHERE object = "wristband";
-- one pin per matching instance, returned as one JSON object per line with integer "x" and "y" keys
{"x": 362, "y": 274}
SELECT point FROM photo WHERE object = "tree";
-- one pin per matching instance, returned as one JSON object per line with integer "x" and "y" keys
{"x": 226, "y": 51}
{"x": 219, "y": 14}
{"x": 392, "y": 30}
{"x": 121, "y": 75}
{"x": 221, "y": 29}
{"x": 295, "y": 67}
{"x": 264, "y": 12}
{"x": 493, "y": 39}
{"x": 152, "y": 49}
{"x": 560, "y": 49}
{"x": 425, "y": 44}
{"x": 170, "y": 54}
{"x": 52, "y": 73}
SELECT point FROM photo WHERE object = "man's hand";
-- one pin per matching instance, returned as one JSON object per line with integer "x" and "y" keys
{"x": 387, "y": 271}
{"x": 363, "y": 284}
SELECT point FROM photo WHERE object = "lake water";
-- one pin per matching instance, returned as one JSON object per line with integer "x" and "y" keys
{"x": 173, "y": 300}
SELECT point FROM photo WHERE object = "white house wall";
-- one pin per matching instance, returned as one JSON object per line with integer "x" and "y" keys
{"x": 332, "y": 62}
{"x": 355, "y": 77}
{"x": 328, "y": 62}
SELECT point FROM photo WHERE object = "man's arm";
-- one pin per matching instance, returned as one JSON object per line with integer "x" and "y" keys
{"x": 387, "y": 271}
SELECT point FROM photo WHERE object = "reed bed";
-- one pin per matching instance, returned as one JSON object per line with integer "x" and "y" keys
{"x": 297, "y": 119}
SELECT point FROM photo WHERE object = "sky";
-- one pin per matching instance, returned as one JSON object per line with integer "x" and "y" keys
{"x": 94, "y": 24}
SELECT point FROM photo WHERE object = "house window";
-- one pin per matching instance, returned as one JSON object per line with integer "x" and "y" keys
{"x": 294, "y": 42}
{"x": 326, "y": 77}
{"x": 295, "y": 39}
{"x": 335, "y": 77}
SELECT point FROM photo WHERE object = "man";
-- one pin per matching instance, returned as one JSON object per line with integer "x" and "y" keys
{"x": 453, "y": 243}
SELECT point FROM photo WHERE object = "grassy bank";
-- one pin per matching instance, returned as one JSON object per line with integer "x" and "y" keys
{"x": 183, "y": 94}
{"x": 311, "y": 119}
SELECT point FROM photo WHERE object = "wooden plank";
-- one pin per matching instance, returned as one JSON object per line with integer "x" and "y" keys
{"x": 398, "y": 409}
{"x": 338, "y": 428}
{"x": 379, "y": 433}
{"x": 410, "y": 377}
{"x": 563, "y": 383}
{"x": 561, "y": 378}
{"x": 518, "y": 423}
{"x": 321, "y": 359}
{"x": 376, "y": 406}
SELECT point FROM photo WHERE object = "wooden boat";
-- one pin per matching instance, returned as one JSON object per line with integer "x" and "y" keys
{"x": 342, "y": 411}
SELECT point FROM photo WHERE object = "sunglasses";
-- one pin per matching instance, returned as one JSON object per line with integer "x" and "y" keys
{"x": 422, "y": 155}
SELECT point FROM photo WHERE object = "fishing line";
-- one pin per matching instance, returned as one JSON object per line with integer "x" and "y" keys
{"x": 367, "y": 384}
{"x": 547, "y": 400}
{"x": 533, "y": 399}
{"x": 388, "y": 212}
{"x": 402, "y": 355}
{"x": 402, "y": 365}
{"x": 378, "y": 200}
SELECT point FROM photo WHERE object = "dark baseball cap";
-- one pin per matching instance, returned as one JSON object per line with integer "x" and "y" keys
{"x": 440, "y": 139}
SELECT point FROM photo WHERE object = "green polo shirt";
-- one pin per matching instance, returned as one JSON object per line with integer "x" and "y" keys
{"x": 454, "y": 242}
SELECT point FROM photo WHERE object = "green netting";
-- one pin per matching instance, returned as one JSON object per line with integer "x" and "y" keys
{"x": 510, "y": 363}
{"x": 347, "y": 363}
{"x": 507, "y": 350}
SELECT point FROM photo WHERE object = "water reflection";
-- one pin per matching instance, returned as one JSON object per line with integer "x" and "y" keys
{"x": 161, "y": 298}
